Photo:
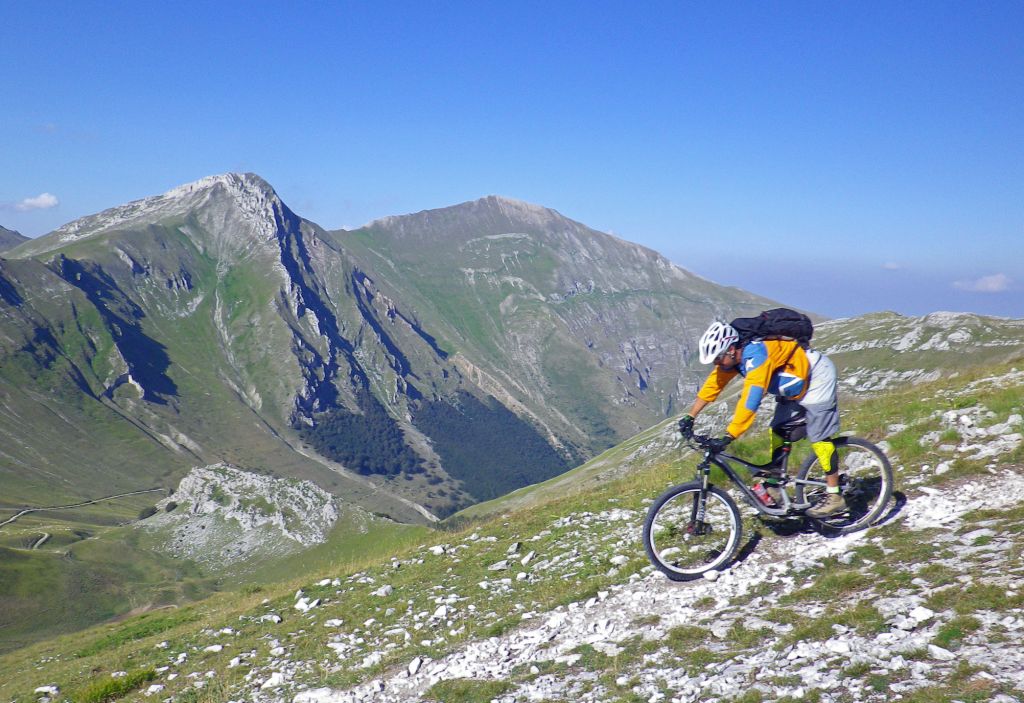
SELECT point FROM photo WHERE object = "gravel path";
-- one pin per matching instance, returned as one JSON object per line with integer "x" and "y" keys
{"x": 605, "y": 621}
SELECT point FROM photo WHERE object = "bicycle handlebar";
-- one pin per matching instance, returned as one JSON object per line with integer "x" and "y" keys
{"x": 699, "y": 441}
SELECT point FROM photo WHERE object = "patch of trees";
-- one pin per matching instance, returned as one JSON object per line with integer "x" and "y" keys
{"x": 487, "y": 446}
{"x": 370, "y": 443}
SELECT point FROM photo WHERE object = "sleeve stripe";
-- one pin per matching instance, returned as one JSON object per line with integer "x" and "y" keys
{"x": 754, "y": 396}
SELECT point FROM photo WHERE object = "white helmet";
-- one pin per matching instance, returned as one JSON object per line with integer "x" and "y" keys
{"x": 719, "y": 337}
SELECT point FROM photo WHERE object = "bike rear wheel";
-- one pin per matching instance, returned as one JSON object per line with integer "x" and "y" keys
{"x": 684, "y": 548}
{"x": 865, "y": 480}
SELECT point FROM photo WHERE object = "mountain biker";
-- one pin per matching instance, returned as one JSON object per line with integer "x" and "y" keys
{"x": 804, "y": 385}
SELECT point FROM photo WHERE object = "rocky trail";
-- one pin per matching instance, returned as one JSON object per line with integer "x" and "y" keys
{"x": 606, "y": 621}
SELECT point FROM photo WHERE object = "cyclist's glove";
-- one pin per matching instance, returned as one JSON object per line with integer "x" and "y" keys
{"x": 686, "y": 426}
{"x": 719, "y": 443}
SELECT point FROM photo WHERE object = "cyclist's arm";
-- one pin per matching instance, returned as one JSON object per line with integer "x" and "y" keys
{"x": 758, "y": 374}
{"x": 717, "y": 380}
{"x": 698, "y": 405}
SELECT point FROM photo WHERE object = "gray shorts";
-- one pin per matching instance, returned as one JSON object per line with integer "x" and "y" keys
{"x": 819, "y": 407}
{"x": 820, "y": 420}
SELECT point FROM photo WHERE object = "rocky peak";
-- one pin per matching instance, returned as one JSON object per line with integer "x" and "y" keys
{"x": 247, "y": 195}
{"x": 240, "y": 185}
{"x": 491, "y": 215}
{"x": 516, "y": 210}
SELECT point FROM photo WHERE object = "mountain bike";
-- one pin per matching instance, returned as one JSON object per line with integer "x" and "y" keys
{"x": 695, "y": 527}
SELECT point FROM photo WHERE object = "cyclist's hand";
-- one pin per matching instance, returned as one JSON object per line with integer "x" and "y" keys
{"x": 686, "y": 426}
{"x": 717, "y": 444}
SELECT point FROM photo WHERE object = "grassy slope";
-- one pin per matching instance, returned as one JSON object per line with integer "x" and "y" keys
{"x": 92, "y": 450}
{"x": 547, "y": 526}
{"x": 89, "y": 569}
{"x": 510, "y": 294}
{"x": 92, "y": 568}
{"x": 66, "y": 447}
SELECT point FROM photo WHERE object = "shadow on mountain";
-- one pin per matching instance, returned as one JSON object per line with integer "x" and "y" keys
{"x": 296, "y": 261}
{"x": 487, "y": 446}
{"x": 146, "y": 358}
{"x": 364, "y": 301}
{"x": 9, "y": 294}
{"x": 426, "y": 337}
{"x": 46, "y": 350}
{"x": 370, "y": 443}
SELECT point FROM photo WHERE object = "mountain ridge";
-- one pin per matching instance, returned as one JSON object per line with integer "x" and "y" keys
{"x": 10, "y": 238}
{"x": 247, "y": 187}
{"x": 579, "y": 335}
{"x": 218, "y": 279}
{"x": 496, "y": 208}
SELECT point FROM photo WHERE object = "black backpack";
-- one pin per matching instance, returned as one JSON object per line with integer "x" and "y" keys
{"x": 778, "y": 323}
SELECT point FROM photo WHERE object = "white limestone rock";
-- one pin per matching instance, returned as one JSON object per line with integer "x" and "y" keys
{"x": 276, "y": 679}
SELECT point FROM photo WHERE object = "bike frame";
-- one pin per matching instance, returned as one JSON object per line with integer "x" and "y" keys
{"x": 868, "y": 485}
{"x": 722, "y": 461}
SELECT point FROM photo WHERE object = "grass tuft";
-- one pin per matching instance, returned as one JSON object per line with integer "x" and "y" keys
{"x": 952, "y": 634}
{"x": 146, "y": 626}
{"x": 467, "y": 690}
{"x": 110, "y": 689}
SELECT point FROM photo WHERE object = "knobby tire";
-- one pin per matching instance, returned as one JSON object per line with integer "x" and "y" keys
{"x": 679, "y": 549}
{"x": 866, "y": 482}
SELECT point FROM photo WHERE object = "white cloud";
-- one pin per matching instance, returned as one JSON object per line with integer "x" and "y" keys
{"x": 996, "y": 283}
{"x": 43, "y": 201}
{"x": 892, "y": 266}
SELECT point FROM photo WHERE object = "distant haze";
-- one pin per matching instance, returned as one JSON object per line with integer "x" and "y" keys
{"x": 846, "y": 288}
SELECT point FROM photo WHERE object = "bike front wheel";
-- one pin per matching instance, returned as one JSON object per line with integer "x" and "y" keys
{"x": 683, "y": 546}
{"x": 865, "y": 481}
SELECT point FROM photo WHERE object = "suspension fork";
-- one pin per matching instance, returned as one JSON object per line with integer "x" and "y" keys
{"x": 699, "y": 509}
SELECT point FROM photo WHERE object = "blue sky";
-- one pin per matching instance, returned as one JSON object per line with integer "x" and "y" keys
{"x": 840, "y": 157}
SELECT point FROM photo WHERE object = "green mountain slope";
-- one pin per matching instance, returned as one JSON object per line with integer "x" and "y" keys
{"x": 499, "y": 345}
{"x": 213, "y": 324}
{"x": 175, "y": 322}
{"x": 593, "y": 336}
{"x": 10, "y": 239}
